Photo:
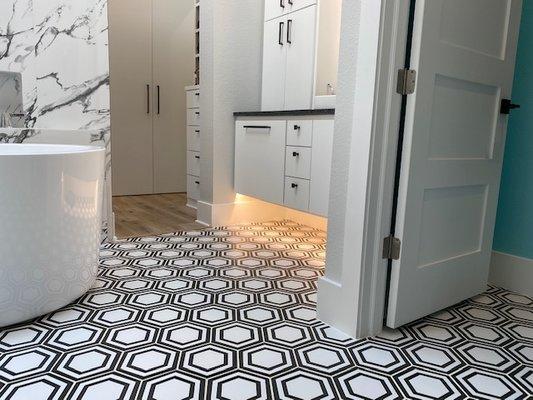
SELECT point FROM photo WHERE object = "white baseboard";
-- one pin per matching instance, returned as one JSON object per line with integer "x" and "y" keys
{"x": 512, "y": 273}
{"x": 246, "y": 209}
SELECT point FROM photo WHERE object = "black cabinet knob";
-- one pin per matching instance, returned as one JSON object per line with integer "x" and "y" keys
{"x": 297, "y": 127}
{"x": 295, "y": 154}
{"x": 294, "y": 186}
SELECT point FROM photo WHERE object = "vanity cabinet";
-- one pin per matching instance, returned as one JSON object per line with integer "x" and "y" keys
{"x": 285, "y": 161}
{"x": 192, "y": 94}
{"x": 289, "y": 49}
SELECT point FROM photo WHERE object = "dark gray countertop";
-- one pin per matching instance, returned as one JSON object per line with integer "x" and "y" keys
{"x": 326, "y": 111}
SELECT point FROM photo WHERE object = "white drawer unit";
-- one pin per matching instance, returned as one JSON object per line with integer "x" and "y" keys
{"x": 298, "y": 162}
{"x": 300, "y": 133}
{"x": 260, "y": 159}
{"x": 193, "y": 187}
{"x": 193, "y": 99}
{"x": 193, "y": 145}
{"x": 193, "y": 163}
{"x": 193, "y": 138}
{"x": 193, "y": 117}
{"x": 277, "y": 163}
{"x": 297, "y": 193}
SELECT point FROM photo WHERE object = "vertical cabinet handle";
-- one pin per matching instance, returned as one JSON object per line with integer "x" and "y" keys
{"x": 291, "y": 2}
{"x": 282, "y": 3}
{"x": 158, "y": 100}
{"x": 289, "y": 31}
{"x": 147, "y": 99}
{"x": 280, "y": 34}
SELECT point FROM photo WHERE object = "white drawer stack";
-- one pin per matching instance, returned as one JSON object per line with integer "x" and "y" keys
{"x": 286, "y": 162}
{"x": 193, "y": 145}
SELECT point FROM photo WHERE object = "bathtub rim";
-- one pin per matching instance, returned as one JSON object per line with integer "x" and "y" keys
{"x": 42, "y": 149}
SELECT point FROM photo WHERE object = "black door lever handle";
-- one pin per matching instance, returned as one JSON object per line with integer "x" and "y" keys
{"x": 507, "y": 106}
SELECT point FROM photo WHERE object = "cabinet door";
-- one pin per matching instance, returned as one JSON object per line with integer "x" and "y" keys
{"x": 321, "y": 159}
{"x": 260, "y": 159}
{"x": 301, "y": 49}
{"x": 274, "y": 63}
{"x": 130, "y": 56}
{"x": 275, "y": 8}
{"x": 173, "y": 60}
{"x": 294, "y": 5}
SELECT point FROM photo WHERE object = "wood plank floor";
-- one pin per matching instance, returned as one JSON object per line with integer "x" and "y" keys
{"x": 153, "y": 215}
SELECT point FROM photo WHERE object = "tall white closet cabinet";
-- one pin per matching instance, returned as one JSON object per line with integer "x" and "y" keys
{"x": 149, "y": 44}
{"x": 289, "y": 54}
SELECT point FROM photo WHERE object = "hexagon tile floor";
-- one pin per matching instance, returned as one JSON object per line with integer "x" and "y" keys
{"x": 230, "y": 314}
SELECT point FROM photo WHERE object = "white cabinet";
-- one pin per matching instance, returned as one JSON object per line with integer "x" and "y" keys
{"x": 287, "y": 162}
{"x": 300, "y": 66}
{"x": 274, "y": 65}
{"x": 260, "y": 159}
{"x": 289, "y": 61}
{"x": 192, "y": 94}
{"x": 146, "y": 68}
{"x": 321, "y": 160}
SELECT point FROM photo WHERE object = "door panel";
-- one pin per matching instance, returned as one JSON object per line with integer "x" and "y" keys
{"x": 464, "y": 54}
{"x": 275, "y": 8}
{"x": 260, "y": 159}
{"x": 274, "y": 65}
{"x": 294, "y": 5}
{"x": 173, "y": 69}
{"x": 301, "y": 51}
{"x": 130, "y": 49}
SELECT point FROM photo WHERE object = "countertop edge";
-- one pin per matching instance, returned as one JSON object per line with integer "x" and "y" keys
{"x": 325, "y": 111}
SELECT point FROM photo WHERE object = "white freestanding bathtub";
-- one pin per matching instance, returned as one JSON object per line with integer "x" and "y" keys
{"x": 50, "y": 226}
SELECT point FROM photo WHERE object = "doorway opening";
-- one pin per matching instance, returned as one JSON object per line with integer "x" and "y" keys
{"x": 152, "y": 60}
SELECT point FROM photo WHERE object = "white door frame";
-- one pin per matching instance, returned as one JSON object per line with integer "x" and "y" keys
{"x": 352, "y": 294}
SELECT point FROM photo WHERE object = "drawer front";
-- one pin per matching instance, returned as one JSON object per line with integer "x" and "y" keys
{"x": 193, "y": 138}
{"x": 260, "y": 159}
{"x": 193, "y": 117}
{"x": 299, "y": 133}
{"x": 298, "y": 162}
{"x": 193, "y": 99}
{"x": 193, "y": 163}
{"x": 193, "y": 187}
{"x": 297, "y": 193}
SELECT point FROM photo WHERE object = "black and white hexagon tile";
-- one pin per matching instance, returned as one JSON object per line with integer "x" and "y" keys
{"x": 230, "y": 314}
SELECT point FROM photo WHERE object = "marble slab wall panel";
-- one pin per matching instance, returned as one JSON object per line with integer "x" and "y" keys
{"x": 11, "y": 103}
{"x": 61, "y": 49}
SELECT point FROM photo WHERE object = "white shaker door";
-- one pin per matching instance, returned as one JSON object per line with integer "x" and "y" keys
{"x": 301, "y": 49}
{"x": 464, "y": 53}
{"x": 274, "y": 65}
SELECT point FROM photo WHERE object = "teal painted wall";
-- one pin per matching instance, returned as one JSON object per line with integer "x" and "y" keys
{"x": 514, "y": 224}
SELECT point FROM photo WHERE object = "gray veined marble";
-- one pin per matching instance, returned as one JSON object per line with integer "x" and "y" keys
{"x": 60, "y": 49}
{"x": 11, "y": 105}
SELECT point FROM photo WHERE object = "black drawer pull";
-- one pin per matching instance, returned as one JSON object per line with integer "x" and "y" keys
{"x": 257, "y": 127}
{"x": 197, "y": 157}
{"x": 197, "y": 182}
{"x": 295, "y": 154}
{"x": 197, "y": 113}
{"x": 197, "y": 131}
{"x": 294, "y": 186}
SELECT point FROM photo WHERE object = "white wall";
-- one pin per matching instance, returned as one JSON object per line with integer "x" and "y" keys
{"x": 230, "y": 75}
{"x": 341, "y": 295}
